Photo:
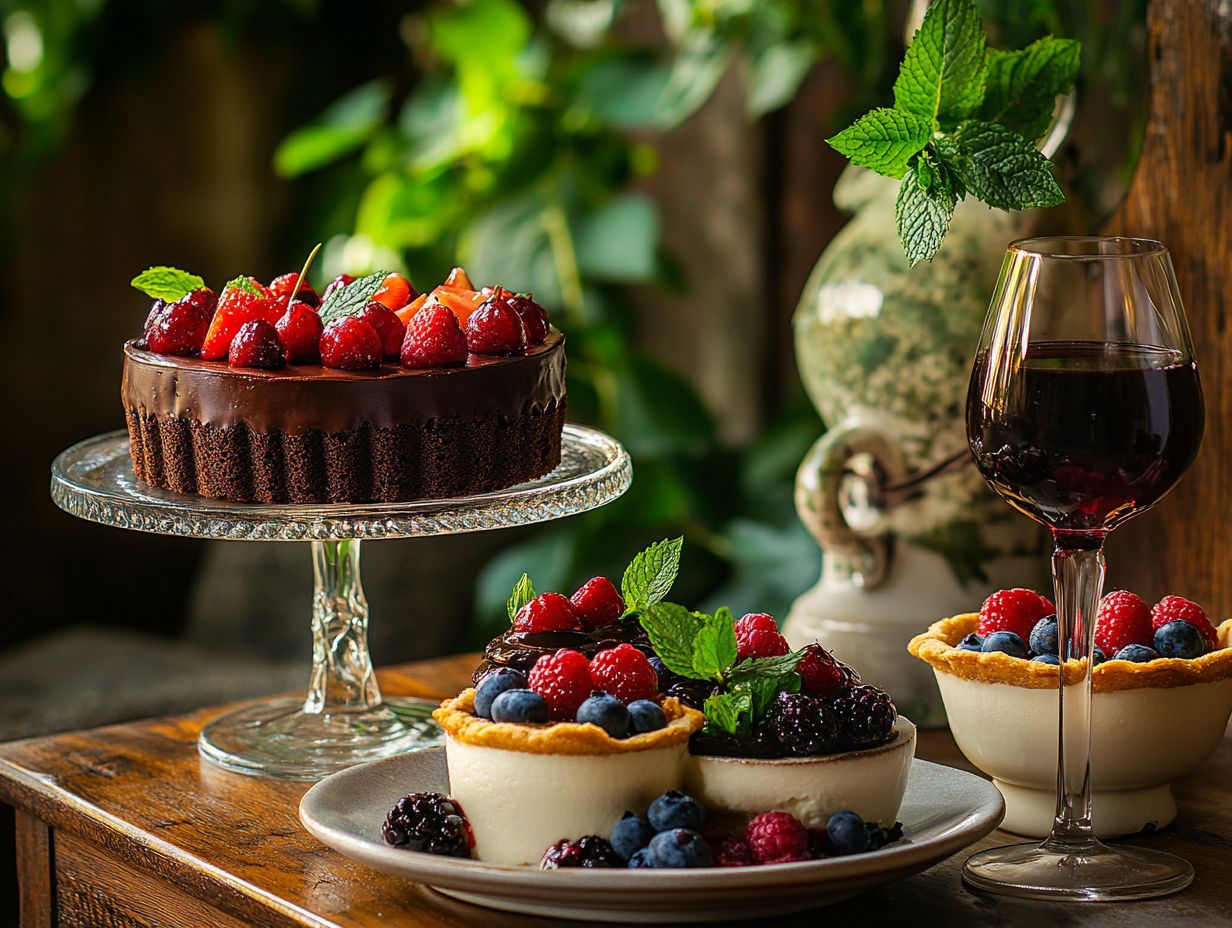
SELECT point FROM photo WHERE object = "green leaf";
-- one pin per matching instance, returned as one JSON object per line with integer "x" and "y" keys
{"x": 943, "y": 73}
{"x": 699, "y": 63}
{"x": 348, "y": 300}
{"x": 619, "y": 241}
{"x": 883, "y": 140}
{"x": 714, "y": 647}
{"x": 243, "y": 283}
{"x": 1023, "y": 86}
{"x": 649, "y": 577}
{"x": 763, "y": 690}
{"x": 729, "y": 712}
{"x": 624, "y": 89}
{"x": 753, "y": 667}
{"x": 523, "y": 592}
{"x": 167, "y": 283}
{"x": 999, "y": 166}
{"x": 923, "y": 215}
{"x": 672, "y": 629}
{"x": 775, "y": 74}
{"x": 341, "y": 128}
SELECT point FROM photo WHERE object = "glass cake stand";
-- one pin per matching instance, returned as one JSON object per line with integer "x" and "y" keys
{"x": 343, "y": 720}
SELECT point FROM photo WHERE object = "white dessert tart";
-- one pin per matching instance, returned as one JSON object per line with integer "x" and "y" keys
{"x": 523, "y": 787}
{"x": 870, "y": 783}
{"x": 1150, "y": 724}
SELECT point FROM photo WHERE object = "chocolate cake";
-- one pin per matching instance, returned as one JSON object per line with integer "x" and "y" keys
{"x": 305, "y": 433}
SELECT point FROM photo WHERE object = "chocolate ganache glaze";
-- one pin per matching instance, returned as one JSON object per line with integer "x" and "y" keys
{"x": 520, "y": 650}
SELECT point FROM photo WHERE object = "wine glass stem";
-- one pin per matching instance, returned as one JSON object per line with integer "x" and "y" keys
{"x": 342, "y": 676}
{"x": 1078, "y": 580}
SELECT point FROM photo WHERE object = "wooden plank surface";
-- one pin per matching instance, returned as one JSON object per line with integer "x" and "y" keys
{"x": 182, "y": 830}
{"x": 37, "y": 905}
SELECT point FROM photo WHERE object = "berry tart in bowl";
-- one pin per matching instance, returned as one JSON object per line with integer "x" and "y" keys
{"x": 368, "y": 393}
{"x": 1162, "y": 685}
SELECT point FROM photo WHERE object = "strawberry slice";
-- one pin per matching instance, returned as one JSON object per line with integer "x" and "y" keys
{"x": 463, "y": 302}
{"x": 235, "y": 307}
{"x": 459, "y": 279}
{"x": 407, "y": 312}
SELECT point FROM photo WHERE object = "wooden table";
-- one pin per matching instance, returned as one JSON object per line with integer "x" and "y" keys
{"x": 126, "y": 826}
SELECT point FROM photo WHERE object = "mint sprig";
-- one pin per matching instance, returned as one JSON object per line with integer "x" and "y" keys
{"x": 523, "y": 592}
{"x": 167, "y": 283}
{"x": 243, "y": 283}
{"x": 348, "y": 300}
{"x": 964, "y": 120}
{"x": 649, "y": 577}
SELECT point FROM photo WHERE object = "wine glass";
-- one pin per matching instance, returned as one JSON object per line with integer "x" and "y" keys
{"x": 1084, "y": 410}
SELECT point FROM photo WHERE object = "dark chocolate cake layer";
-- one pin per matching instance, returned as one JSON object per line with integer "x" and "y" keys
{"x": 307, "y": 434}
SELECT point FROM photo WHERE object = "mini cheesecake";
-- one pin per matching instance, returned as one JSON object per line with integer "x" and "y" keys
{"x": 524, "y": 787}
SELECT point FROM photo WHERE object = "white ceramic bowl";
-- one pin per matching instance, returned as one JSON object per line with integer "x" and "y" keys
{"x": 870, "y": 783}
{"x": 1151, "y": 724}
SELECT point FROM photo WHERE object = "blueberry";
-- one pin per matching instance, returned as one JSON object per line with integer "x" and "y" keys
{"x": 630, "y": 835}
{"x": 1044, "y": 636}
{"x": 678, "y": 848}
{"x": 1046, "y": 659}
{"x": 675, "y": 810}
{"x": 1138, "y": 653}
{"x": 640, "y": 859}
{"x": 519, "y": 706}
{"x": 492, "y": 685}
{"x": 1007, "y": 643}
{"x": 1179, "y": 639}
{"x": 1098, "y": 656}
{"x": 972, "y": 642}
{"x": 845, "y": 831}
{"x": 646, "y": 715}
{"x": 666, "y": 677}
{"x": 608, "y": 712}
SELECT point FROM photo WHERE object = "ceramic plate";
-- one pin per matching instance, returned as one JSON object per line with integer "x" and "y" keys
{"x": 944, "y": 811}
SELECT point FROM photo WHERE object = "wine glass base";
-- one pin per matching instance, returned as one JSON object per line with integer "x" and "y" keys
{"x": 277, "y": 738}
{"x": 1097, "y": 873}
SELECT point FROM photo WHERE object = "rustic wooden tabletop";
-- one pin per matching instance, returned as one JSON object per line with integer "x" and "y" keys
{"x": 126, "y": 826}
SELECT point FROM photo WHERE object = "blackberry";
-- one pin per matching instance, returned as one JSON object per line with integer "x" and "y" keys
{"x": 692, "y": 693}
{"x": 866, "y": 716}
{"x": 804, "y": 725}
{"x": 718, "y": 743}
{"x": 428, "y": 822}
{"x": 588, "y": 851}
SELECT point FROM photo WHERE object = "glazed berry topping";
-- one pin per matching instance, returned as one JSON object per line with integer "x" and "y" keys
{"x": 1014, "y": 611}
{"x": 282, "y": 284}
{"x": 734, "y": 852}
{"x": 1136, "y": 654}
{"x": 777, "y": 838}
{"x": 492, "y": 685}
{"x": 1180, "y": 639}
{"x": 646, "y": 715}
{"x": 608, "y": 712}
{"x": 846, "y": 833}
{"x": 547, "y": 612}
{"x": 350, "y": 344}
{"x": 203, "y": 298}
{"x": 588, "y": 851}
{"x": 563, "y": 679}
{"x": 395, "y": 292}
{"x": 155, "y": 308}
{"x": 675, "y": 810}
{"x": 598, "y": 602}
{"x": 757, "y": 635}
{"x": 820, "y": 673}
{"x": 387, "y": 325}
{"x": 631, "y": 834}
{"x": 178, "y": 329}
{"x": 1180, "y": 609}
{"x": 494, "y": 328}
{"x": 300, "y": 329}
{"x": 624, "y": 672}
{"x": 804, "y": 725}
{"x": 235, "y": 307}
{"x": 257, "y": 344}
{"x": 679, "y": 848}
{"x": 523, "y": 706}
{"x": 534, "y": 317}
{"x": 431, "y": 823}
{"x": 434, "y": 339}
{"x": 1045, "y": 637}
{"x": 1006, "y": 643}
{"x": 866, "y": 716}
{"x": 1123, "y": 619}
{"x": 692, "y": 693}
{"x": 337, "y": 283}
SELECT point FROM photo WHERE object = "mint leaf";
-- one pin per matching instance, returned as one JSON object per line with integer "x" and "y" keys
{"x": 943, "y": 73}
{"x": 999, "y": 166}
{"x": 348, "y": 300}
{"x": 1023, "y": 86}
{"x": 763, "y": 690}
{"x": 730, "y": 712}
{"x": 243, "y": 283}
{"x": 714, "y": 647}
{"x": 672, "y": 630}
{"x": 167, "y": 283}
{"x": 923, "y": 214}
{"x": 765, "y": 666}
{"x": 523, "y": 592}
{"x": 883, "y": 140}
{"x": 649, "y": 578}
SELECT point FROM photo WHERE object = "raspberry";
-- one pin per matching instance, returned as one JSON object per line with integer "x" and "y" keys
{"x": 494, "y": 328}
{"x": 387, "y": 325}
{"x": 350, "y": 344}
{"x": 1123, "y": 619}
{"x": 866, "y": 716}
{"x": 395, "y": 292}
{"x": 598, "y": 602}
{"x": 563, "y": 679}
{"x": 300, "y": 330}
{"x": 178, "y": 329}
{"x": 431, "y": 823}
{"x": 733, "y": 852}
{"x": 757, "y": 635}
{"x": 588, "y": 851}
{"x": 625, "y": 673}
{"x": 804, "y": 725}
{"x": 547, "y": 612}
{"x": 281, "y": 287}
{"x": 1179, "y": 609}
{"x": 257, "y": 344}
{"x": 777, "y": 838}
{"x": 534, "y": 317}
{"x": 820, "y": 673}
{"x": 434, "y": 339}
{"x": 337, "y": 284}
{"x": 235, "y": 307}
{"x": 1014, "y": 611}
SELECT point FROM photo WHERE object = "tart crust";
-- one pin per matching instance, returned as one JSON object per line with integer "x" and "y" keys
{"x": 457, "y": 717}
{"x": 937, "y": 647}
